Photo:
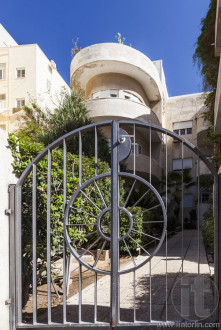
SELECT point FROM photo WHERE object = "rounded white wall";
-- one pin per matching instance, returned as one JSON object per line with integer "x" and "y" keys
{"x": 108, "y": 58}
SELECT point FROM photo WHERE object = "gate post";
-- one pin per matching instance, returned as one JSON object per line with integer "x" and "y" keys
{"x": 114, "y": 226}
{"x": 217, "y": 245}
{"x": 12, "y": 256}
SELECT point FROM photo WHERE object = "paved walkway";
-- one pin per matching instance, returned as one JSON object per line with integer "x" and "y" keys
{"x": 151, "y": 302}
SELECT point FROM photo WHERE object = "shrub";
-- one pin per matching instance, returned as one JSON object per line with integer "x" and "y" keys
{"x": 24, "y": 150}
{"x": 208, "y": 230}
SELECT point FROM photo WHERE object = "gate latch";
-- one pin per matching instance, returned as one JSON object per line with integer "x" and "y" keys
{"x": 124, "y": 145}
{"x": 8, "y": 211}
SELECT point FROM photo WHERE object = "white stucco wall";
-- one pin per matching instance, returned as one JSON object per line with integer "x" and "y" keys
{"x": 49, "y": 99}
{"x": 6, "y": 39}
{"x": 159, "y": 65}
{"x": 112, "y": 57}
{"x": 30, "y": 88}
{"x": 21, "y": 88}
{"x": 7, "y": 177}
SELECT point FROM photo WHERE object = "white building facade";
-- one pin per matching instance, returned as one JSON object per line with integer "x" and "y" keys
{"x": 119, "y": 82}
{"x": 26, "y": 75}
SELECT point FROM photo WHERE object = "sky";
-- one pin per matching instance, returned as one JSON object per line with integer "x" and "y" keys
{"x": 161, "y": 29}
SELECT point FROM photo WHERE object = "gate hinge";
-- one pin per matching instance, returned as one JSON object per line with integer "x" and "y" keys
{"x": 8, "y": 211}
{"x": 8, "y": 301}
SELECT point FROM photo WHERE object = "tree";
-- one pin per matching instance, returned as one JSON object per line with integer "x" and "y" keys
{"x": 208, "y": 64}
{"x": 45, "y": 127}
{"x": 204, "y": 54}
{"x": 175, "y": 180}
{"x": 37, "y": 130}
{"x": 24, "y": 150}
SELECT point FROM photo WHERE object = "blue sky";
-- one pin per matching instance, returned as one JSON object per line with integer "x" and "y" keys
{"x": 161, "y": 29}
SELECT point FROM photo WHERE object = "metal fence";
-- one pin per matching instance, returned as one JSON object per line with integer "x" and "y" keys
{"x": 99, "y": 211}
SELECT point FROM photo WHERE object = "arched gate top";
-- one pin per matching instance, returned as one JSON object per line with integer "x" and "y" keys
{"x": 109, "y": 122}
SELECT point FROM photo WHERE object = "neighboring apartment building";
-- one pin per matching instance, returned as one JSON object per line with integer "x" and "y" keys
{"x": 26, "y": 74}
{"x": 119, "y": 82}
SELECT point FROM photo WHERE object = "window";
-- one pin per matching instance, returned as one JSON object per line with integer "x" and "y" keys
{"x": 105, "y": 94}
{"x": 127, "y": 96}
{"x": 189, "y": 130}
{"x": 114, "y": 93}
{"x": 132, "y": 97}
{"x": 188, "y": 200}
{"x": 21, "y": 73}
{"x": 182, "y": 131}
{"x": 20, "y": 103}
{"x": 96, "y": 95}
{"x": 183, "y": 127}
{"x": 48, "y": 85}
{"x": 138, "y": 149}
{"x": 2, "y": 101}
{"x": 177, "y": 164}
{"x": 2, "y": 71}
{"x": 204, "y": 196}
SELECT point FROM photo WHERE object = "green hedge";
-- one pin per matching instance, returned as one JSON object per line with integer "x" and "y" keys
{"x": 208, "y": 230}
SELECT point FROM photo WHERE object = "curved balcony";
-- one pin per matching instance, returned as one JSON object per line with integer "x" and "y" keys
{"x": 143, "y": 166}
{"x": 115, "y": 58}
{"x": 119, "y": 109}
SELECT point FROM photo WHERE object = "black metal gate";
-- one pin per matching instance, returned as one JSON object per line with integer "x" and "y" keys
{"x": 123, "y": 209}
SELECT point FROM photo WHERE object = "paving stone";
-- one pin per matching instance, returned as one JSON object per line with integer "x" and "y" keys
{"x": 157, "y": 290}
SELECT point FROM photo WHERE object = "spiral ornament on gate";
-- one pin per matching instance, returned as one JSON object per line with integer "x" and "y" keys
{"x": 87, "y": 221}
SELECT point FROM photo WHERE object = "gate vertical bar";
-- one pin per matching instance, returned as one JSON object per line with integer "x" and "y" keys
{"x": 182, "y": 205}
{"x": 218, "y": 205}
{"x": 96, "y": 151}
{"x": 34, "y": 243}
{"x": 198, "y": 211}
{"x": 12, "y": 256}
{"x": 79, "y": 293}
{"x": 217, "y": 245}
{"x": 150, "y": 275}
{"x": 64, "y": 243}
{"x": 134, "y": 279}
{"x": 18, "y": 240}
{"x": 166, "y": 170}
{"x": 114, "y": 226}
{"x": 49, "y": 235}
{"x": 95, "y": 297}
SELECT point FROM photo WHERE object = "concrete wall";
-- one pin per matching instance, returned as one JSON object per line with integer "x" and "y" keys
{"x": 6, "y": 178}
